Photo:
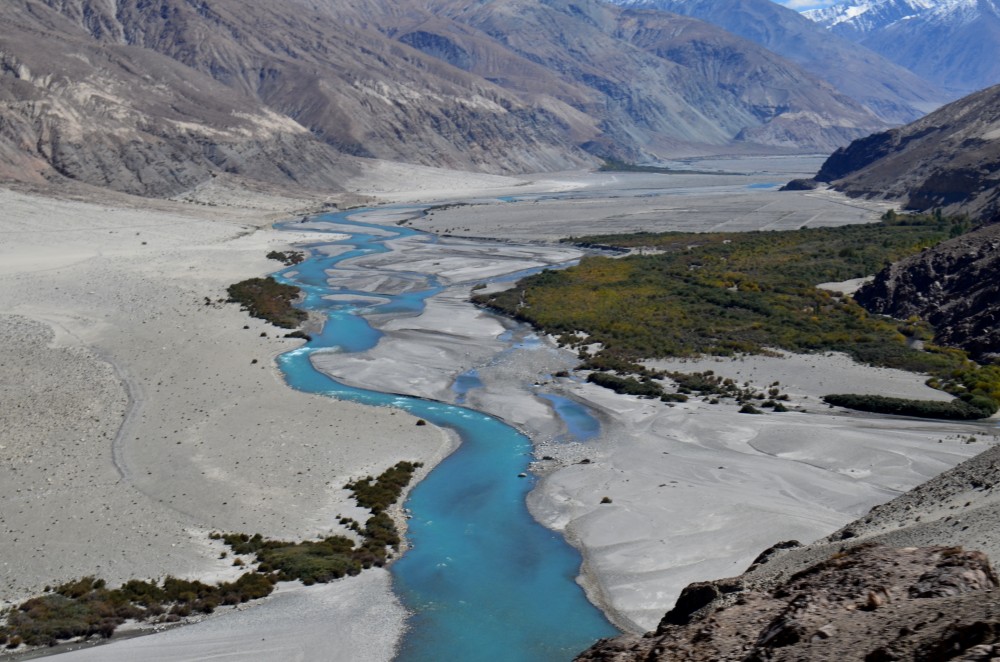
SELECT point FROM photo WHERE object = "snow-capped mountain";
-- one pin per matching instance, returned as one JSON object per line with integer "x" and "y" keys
{"x": 874, "y": 15}
{"x": 953, "y": 43}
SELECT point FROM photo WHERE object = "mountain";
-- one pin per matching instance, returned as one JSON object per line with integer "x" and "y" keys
{"x": 156, "y": 97}
{"x": 951, "y": 43}
{"x": 892, "y": 92}
{"x": 948, "y": 160}
{"x": 152, "y": 98}
{"x": 911, "y": 580}
{"x": 658, "y": 81}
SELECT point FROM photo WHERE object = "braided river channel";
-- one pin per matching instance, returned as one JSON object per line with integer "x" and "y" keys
{"x": 482, "y": 579}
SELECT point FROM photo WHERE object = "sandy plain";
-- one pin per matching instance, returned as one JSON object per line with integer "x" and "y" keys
{"x": 134, "y": 421}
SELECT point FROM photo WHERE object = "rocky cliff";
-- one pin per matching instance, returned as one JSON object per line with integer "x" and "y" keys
{"x": 153, "y": 97}
{"x": 899, "y": 584}
{"x": 948, "y": 160}
{"x": 954, "y": 286}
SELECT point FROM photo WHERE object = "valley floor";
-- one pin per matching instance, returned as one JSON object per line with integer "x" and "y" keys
{"x": 135, "y": 420}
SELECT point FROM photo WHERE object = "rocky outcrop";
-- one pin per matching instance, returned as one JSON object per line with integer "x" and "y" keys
{"x": 867, "y": 603}
{"x": 949, "y": 160}
{"x": 954, "y": 286}
{"x": 896, "y": 584}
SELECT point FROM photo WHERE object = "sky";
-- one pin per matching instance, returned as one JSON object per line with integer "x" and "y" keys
{"x": 802, "y": 5}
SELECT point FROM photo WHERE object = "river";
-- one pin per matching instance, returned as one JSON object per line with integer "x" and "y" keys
{"x": 483, "y": 580}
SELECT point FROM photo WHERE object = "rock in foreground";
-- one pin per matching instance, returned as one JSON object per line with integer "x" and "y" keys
{"x": 870, "y": 603}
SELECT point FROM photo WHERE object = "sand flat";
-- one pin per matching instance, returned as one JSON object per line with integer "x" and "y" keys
{"x": 138, "y": 417}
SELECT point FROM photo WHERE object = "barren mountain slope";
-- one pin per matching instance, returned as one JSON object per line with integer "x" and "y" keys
{"x": 154, "y": 97}
{"x": 124, "y": 117}
{"x": 892, "y": 92}
{"x": 948, "y": 160}
{"x": 661, "y": 80}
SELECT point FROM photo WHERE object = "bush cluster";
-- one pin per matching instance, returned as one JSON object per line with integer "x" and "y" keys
{"x": 627, "y": 385}
{"x": 86, "y": 607}
{"x": 377, "y": 494}
{"x": 953, "y": 409}
{"x": 267, "y": 299}
{"x": 289, "y": 258}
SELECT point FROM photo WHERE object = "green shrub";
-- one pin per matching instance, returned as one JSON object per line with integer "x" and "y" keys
{"x": 626, "y": 385}
{"x": 267, "y": 299}
{"x": 377, "y": 494}
{"x": 952, "y": 409}
{"x": 730, "y": 293}
{"x": 86, "y": 607}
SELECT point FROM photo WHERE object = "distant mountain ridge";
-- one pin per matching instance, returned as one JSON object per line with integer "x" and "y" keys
{"x": 156, "y": 97}
{"x": 892, "y": 92}
{"x": 951, "y": 43}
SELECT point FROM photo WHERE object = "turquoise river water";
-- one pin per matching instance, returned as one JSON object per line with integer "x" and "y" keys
{"x": 483, "y": 580}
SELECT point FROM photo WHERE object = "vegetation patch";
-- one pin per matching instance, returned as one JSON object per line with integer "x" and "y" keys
{"x": 267, "y": 299}
{"x": 377, "y": 494}
{"x": 614, "y": 165}
{"x": 336, "y": 556}
{"x": 733, "y": 293}
{"x": 288, "y": 258}
{"x": 956, "y": 409}
{"x": 645, "y": 388}
{"x": 87, "y": 607}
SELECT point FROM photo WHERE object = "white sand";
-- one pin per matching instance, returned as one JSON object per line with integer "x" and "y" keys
{"x": 698, "y": 490}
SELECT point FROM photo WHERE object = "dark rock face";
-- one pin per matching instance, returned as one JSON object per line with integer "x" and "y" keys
{"x": 954, "y": 286}
{"x": 865, "y": 603}
{"x": 949, "y": 160}
{"x": 859, "y": 154}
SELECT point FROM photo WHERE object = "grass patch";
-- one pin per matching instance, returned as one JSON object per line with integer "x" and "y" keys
{"x": 267, "y": 299}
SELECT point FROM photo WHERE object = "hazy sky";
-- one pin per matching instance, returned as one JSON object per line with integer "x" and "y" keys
{"x": 806, "y": 4}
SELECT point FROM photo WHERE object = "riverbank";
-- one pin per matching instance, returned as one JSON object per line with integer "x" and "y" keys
{"x": 673, "y": 494}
